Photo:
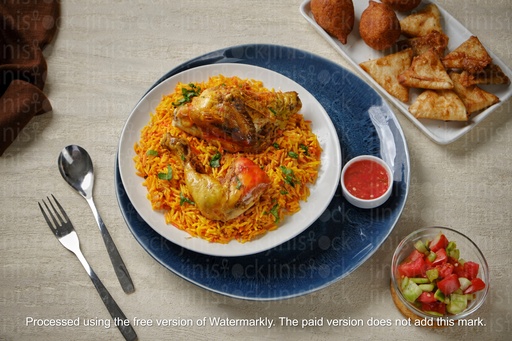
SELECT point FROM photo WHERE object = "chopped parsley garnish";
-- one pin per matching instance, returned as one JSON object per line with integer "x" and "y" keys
{"x": 238, "y": 183}
{"x": 152, "y": 152}
{"x": 215, "y": 161}
{"x": 184, "y": 199}
{"x": 166, "y": 176}
{"x": 293, "y": 155}
{"x": 304, "y": 148}
{"x": 289, "y": 176}
{"x": 188, "y": 94}
{"x": 275, "y": 212}
{"x": 275, "y": 145}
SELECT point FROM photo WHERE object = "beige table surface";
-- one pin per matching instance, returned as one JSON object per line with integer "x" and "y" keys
{"x": 105, "y": 56}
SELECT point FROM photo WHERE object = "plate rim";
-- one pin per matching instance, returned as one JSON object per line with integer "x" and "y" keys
{"x": 196, "y": 244}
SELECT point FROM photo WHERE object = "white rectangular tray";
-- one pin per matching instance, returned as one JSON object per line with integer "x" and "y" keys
{"x": 356, "y": 51}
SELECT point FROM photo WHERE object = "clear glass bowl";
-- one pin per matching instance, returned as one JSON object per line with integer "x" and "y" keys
{"x": 469, "y": 251}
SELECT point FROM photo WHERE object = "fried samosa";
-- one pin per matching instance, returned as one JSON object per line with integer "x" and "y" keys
{"x": 426, "y": 72}
{"x": 385, "y": 71}
{"x": 442, "y": 105}
{"x": 473, "y": 97}
{"x": 471, "y": 56}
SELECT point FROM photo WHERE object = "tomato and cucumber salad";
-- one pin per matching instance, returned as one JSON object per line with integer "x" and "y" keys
{"x": 436, "y": 280}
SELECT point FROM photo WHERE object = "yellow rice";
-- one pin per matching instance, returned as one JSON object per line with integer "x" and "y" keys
{"x": 279, "y": 200}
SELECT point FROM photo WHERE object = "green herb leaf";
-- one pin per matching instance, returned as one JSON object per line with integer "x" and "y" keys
{"x": 275, "y": 212}
{"x": 166, "y": 176}
{"x": 188, "y": 94}
{"x": 238, "y": 183}
{"x": 215, "y": 161}
{"x": 184, "y": 199}
{"x": 152, "y": 152}
{"x": 286, "y": 171}
{"x": 293, "y": 155}
{"x": 304, "y": 148}
{"x": 275, "y": 145}
{"x": 289, "y": 176}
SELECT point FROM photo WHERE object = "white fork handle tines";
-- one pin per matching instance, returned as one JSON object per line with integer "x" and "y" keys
{"x": 120, "y": 319}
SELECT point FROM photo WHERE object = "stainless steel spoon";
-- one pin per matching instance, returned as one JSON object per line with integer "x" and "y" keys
{"x": 75, "y": 166}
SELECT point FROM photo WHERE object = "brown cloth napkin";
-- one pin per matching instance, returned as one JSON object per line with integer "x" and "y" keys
{"x": 26, "y": 27}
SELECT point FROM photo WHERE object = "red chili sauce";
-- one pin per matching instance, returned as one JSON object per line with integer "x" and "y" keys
{"x": 366, "y": 179}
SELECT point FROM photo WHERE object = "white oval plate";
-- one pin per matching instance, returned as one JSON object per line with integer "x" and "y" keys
{"x": 321, "y": 192}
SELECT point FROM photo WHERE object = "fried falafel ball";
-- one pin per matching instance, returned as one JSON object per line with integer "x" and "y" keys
{"x": 402, "y": 5}
{"x": 379, "y": 26}
{"x": 336, "y": 17}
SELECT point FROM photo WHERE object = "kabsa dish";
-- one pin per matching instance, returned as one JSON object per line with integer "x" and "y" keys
{"x": 227, "y": 159}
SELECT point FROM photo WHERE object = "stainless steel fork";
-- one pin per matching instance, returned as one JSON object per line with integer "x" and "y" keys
{"x": 64, "y": 231}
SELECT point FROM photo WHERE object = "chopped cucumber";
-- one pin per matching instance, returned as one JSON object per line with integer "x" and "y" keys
{"x": 404, "y": 283}
{"x": 427, "y": 287}
{"x": 431, "y": 256}
{"x": 455, "y": 254}
{"x": 439, "y": 296}
{"x": 451, "y": 246}
{"x": 458, "y": 303}
{"x": 412, "y": 291}
{"x": 420, "y": 280}
{"x": 464, "y": 283}
{"x": 432, "y": 274}
{"x": 458, "y": 291}
{"x": 421, "y": 247}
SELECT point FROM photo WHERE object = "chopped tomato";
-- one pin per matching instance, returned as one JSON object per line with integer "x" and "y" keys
{"x": 476, "y": 285}
{"x": 441, "y": 257}
{"x": 449, "y": 284}
{"x": 426, "y": 297}
{"x": 412, "y": 268}
{"x": 471, "y": 269}
{"x": 439, "y": 242}
{"x": 415, "y": 254}
{"x": 437, "y": 307}
{"x": 445, "y": 270}
{"x": 459, "y": 270}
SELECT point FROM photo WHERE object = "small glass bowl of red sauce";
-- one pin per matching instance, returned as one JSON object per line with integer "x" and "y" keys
{"x": 366, "y": 181}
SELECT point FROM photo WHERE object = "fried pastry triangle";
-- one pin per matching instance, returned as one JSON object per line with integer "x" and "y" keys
{"x": 473, "y": 97}
{"x": 492, "y": 74}
{"x": 385, "y": 71}
{"x": 439, "y": 105}
{"x": 426, "y": 72}
{"x": 471, "y": 56}
{"x": 419, "y": 45}
{"x": 421, "y": 23}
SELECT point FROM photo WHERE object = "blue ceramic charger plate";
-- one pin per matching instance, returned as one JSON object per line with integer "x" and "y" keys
{"x": 344, "y": 236}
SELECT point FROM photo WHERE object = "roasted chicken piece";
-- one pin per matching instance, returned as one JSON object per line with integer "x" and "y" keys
{"x": 220, "y": 199}
{"x": 240, "y": 119}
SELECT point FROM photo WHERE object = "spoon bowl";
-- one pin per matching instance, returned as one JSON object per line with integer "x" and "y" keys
{"x": 75, "y": 166}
